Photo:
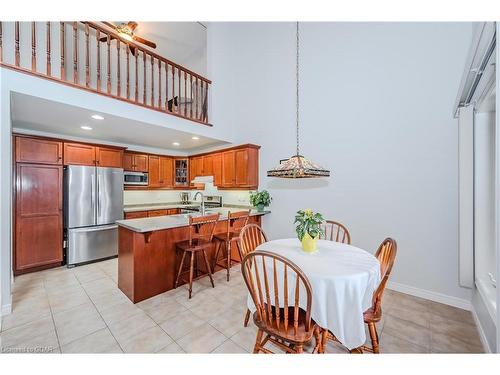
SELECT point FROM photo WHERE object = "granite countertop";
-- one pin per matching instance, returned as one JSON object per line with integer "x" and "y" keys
{"x": 151, "y": 224}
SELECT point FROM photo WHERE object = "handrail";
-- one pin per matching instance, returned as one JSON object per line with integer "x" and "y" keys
{"x": 95, "y": 58}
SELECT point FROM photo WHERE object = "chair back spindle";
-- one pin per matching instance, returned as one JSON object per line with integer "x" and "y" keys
{"x": 251, "y": 236}
{"x": 335, "y": 231}
{"x": 275, "y": 312}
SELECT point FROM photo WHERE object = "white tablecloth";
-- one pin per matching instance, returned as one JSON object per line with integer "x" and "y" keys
{"x": 343, "y": 279}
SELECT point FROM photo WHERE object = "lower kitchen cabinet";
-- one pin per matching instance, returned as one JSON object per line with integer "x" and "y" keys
{"x": 152, "y": 213}
{"x": 38, "y": 217}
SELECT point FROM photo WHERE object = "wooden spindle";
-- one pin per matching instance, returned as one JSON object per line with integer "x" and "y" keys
{"x": 276, "y": 295}
{"x": 166, "y": 86}
{"x": 268, "y": 296}
{"x": 259, "y": 288}
{"x": 296, "y": 305}
{"x": 63, "y": 48}
{"x": 108, "y": 42}
{"x": 196, "y": 95}
{"x": 128, "y": 70}
{"x": 98, "y": 43}
{"x": 136, "y": 75}
{"x": 87, "y": 56}
{"x": 205, "y": 104}
{"x": 159, "y": 83}
{"x": 144, "y": 57}
{"x": 185, "y": 94}
{"x": 118, "y": 69}
{"x": 1, "y": 48}
{"x": 17, "y": 56}
{"x": 179, "y": 99}
{"x": 201, "y": 101}
{"x": 285, "y": 298}
{"x": 173, "y": 87}
{"x": 49, "y": 65}
{"x": 152, "y": 82}
{"x": 191, "y": 94}
{"x": 33, "y": 46}
{"x": 75, "y": 52}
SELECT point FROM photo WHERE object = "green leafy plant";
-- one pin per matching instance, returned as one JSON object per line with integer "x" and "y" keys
{"x": 260, "y": 198}
{"x": 308, "y": 222}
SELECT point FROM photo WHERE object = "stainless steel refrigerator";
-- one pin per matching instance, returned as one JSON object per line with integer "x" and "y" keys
{"x": 93, "y": 201}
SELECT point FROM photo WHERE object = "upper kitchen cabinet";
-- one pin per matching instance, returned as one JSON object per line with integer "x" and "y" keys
{"x": 109, "y": 157}
{"x": 217, "y": 168}
{"x": 135, "y": 162}
{"x": 38, "y": 150}
{"x": 161, "y": 171}
{"x": 240, "y": 168}
{"x": 85, "y": 154}
{"x": 79, "y": 154}
{"x": 181, "y": 172}
{"x": 195, "y": 167}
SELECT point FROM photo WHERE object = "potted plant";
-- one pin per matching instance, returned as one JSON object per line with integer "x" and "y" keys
{"x": 260, "y": 199}
{"x": 308, "y": 228}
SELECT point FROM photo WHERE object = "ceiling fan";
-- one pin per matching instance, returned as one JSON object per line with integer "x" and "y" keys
{"x": 126, "y": 31}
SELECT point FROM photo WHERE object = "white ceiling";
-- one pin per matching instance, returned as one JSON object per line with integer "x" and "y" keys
{"x": 41, "y": 115}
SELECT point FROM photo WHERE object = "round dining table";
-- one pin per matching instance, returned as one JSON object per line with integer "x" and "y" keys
{"x": 343, "y": 279}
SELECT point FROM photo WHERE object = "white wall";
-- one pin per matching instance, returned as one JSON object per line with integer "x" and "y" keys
{"x": 238, "y": 197}
{"x": 376, "y": 104}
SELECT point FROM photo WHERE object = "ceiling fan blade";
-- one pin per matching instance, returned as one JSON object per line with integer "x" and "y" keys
{"x": 144, "y": 41}
{"x": 105, "y": 38}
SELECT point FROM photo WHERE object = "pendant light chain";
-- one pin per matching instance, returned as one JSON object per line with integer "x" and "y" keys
{"x": 297, "y": 86}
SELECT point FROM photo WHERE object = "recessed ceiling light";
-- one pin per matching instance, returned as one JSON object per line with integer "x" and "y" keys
{"x": 195, "y": 138}
{"x": 85, "y": 127}
{"x": 176, "y": 143}
{"x": 97, "y": 117}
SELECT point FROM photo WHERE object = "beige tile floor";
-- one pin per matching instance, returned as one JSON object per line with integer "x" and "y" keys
{"x": 81, "y": 310}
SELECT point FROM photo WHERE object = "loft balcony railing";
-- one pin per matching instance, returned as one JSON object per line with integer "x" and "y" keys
{"x": 89, "y": 56}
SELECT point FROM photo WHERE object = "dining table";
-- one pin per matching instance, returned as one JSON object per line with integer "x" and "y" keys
{"x": 343, "y": 279}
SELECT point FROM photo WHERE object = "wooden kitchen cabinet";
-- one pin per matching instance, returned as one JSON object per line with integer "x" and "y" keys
{"x": 136, "y": 215}
{"x": 109, "y": 157}
{"x": 38, "y": 150}
{"x": 135, "y": 162}
{"x": 195, "y": 167}
{"x": 217, "y": 169}
{"x": 161, "y": 171}
{"x": 85, "y": 154}
{"x": 79, "y": 154}
{"x": 38, "y": 217}
{"x": 240, "y": 168}
{"x": 154, "y": 213}
{"x": 208, "y": 165}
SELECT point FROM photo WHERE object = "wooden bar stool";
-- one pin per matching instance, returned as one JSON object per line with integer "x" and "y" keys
{"x": 201, "y": 232}
{"x": 235, "y": 222}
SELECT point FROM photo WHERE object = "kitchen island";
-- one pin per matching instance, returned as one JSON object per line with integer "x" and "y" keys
{"x": 147, "y": 257}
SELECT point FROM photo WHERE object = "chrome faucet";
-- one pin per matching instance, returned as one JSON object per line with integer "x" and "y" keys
{"x": 202, "y": 204}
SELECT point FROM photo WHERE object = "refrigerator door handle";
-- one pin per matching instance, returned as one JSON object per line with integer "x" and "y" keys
{"x": 98, "y": 195}
{"x": 92, "y": 196}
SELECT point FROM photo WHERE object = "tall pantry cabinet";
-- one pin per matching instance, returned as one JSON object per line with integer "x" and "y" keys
{"x": 38, "y": 206}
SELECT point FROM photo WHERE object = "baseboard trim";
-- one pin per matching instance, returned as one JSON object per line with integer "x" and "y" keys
{"x": 6, "y": 309}
{"x": 432, "y": 296}
{"x": 480, "y": 330}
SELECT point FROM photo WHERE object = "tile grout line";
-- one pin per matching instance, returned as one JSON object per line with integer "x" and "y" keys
{"x": 52, "y": 316}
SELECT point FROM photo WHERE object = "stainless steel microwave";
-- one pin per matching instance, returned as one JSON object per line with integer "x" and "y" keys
{"x": 135, "y": 178}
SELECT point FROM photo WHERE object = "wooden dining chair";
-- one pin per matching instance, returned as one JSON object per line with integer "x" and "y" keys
{"x": 250, "y": 237}
{"x": 335, "y": 231}
{"x": 201, "y": 232}
{"x": 285, "y": 323}
{"x": 386, "y": 255}
{"x": 234, "y": 223}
